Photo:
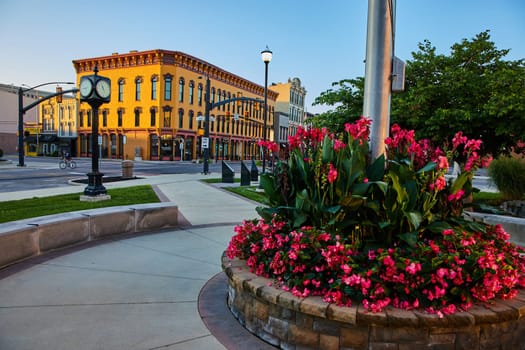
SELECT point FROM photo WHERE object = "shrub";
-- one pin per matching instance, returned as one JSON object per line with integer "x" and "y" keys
{"x": 388, "y": 231}
{"x": 508, "y": 174}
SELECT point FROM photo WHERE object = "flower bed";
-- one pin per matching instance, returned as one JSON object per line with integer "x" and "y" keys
{"x": 378, "y": 233}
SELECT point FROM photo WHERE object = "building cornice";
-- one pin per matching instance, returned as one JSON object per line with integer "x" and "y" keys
{"x": 166, "y": 57}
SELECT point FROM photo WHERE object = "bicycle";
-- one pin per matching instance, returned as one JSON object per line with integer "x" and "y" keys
{"x": 64, "y": 163}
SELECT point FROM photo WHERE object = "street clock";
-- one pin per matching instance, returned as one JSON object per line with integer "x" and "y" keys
{"x": 95, "y": 89}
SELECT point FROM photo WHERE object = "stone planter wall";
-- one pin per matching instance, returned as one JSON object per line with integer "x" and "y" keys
{"x": 289, "y": 322}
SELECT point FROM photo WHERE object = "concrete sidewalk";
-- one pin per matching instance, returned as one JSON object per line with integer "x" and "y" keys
{"x": 139, "y": 292}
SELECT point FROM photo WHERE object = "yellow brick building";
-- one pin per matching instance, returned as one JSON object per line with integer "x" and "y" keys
{"x": 157, "y": 104}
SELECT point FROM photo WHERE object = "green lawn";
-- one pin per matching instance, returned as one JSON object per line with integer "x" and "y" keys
{"x": 33, "y": 207}
{"x": 249, "y": 192}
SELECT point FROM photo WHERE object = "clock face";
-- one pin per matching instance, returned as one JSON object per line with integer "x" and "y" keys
{"x": 85, "y": 87}
{"x": 103, "y": 88}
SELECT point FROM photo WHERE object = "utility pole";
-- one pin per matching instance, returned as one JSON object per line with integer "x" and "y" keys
{"x": 378, "y": 72}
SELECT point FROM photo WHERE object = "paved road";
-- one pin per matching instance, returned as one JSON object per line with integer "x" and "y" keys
{"x": 43, "y": 172}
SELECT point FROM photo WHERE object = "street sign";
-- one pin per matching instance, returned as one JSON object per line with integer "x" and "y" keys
{"x": 205, "y": 142}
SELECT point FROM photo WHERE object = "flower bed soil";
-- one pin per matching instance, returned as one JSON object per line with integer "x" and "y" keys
{"x": 290, "y": 322}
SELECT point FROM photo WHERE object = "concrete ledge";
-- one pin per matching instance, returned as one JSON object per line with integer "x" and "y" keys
{"x": 514, "y": 226}
{"x": 28, "y": 238}
{"x": 17, "y": 242}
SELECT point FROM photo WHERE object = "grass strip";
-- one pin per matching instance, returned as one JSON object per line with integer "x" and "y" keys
{"x": 40, "y": 206}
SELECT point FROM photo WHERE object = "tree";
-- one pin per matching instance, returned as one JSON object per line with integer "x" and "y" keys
{"x": 473, "y": 89}
{"x": 348, "y": 99}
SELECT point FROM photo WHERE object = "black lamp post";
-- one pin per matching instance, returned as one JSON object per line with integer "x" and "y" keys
{"x": 95, "y": 90}
{"x": 22, "y": 110}
{"x": 266, "y": 56}
{"x": 205, "y": 141}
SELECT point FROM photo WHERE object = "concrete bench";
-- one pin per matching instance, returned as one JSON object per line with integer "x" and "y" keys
{"x": 28, "y": 238}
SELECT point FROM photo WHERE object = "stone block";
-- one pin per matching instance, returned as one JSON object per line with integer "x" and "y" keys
{"x": 442, "y": 338}
{"x": 505, "y": 311}
{"x": 304, "y": 321}
{"x": 482, "y": 314}
{"x": 115, "y": 222}
{"x": 461, "y": 319}
{"x": 328, "y": 342}
{"x": 401, "y": 318}
{"x": 269, "y": 293}
{"x": 467, "y": 338}
{"x": 342, "y": 314}
{"x": 355, "y": 337}
{"x": 431, "y": 320}
{"x": 252, "y": 285}
{"x": 17, "y": 242}
{"x": 387, "y": 334}
{"x": 278, "y": 327}
{"x": 288, "y": 300}
{"x": 155, "y": 216}
{"x": 262, "y": 310}
{"x": 282, "y": 313}
{"x": 305, "y": 337}
{"x": 324, "y": 326}
{"x": 314, "y": 306}
{"x": 371, "y": 318}
{"x": 58, "y": 231}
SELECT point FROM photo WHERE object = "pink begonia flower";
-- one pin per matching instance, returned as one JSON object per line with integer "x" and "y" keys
{"x": 413, "y": 268}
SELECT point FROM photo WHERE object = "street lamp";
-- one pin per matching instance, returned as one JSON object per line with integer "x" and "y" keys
{"x": 22, "y": 110}
{"x": 205, "y": 141}
{"x": 266, "y": 56}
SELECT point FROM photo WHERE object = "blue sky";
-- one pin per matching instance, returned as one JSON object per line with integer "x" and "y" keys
{"x": 317, "y": 41}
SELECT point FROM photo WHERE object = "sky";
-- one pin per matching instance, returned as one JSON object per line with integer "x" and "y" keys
{"x": 320, "y": 42}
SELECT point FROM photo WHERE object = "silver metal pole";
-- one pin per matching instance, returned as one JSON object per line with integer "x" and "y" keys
{"x": 378, "y": 71}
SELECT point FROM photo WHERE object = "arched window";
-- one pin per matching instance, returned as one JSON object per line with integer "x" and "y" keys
{"x": 181, "y": 118}
{"x": 154, "y": 81}
{"x": 181, "y": 90}
{"x": 192, "y": 87}
{"x": 138, "y": 82}
{"x": 166, "y": 116}
{"x": 121, "y": 90}
{"x": 199, "y": 95}
{"x": 167, "y": 87}
{"x": 153, "y": 116}
{"x": 190, "y": 117}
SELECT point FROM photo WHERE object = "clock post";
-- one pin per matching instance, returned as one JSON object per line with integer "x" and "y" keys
{"x": 95, "y": 90}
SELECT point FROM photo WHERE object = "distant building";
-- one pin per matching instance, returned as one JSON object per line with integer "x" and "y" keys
{"x": 42, "y": 133}
{"x": 9, "y": 116}
{"x": 157, "y": 108}
{"x": 291, "y": 102}
{"x": 281, "y": 132}
{"x": 58, "y": 126}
